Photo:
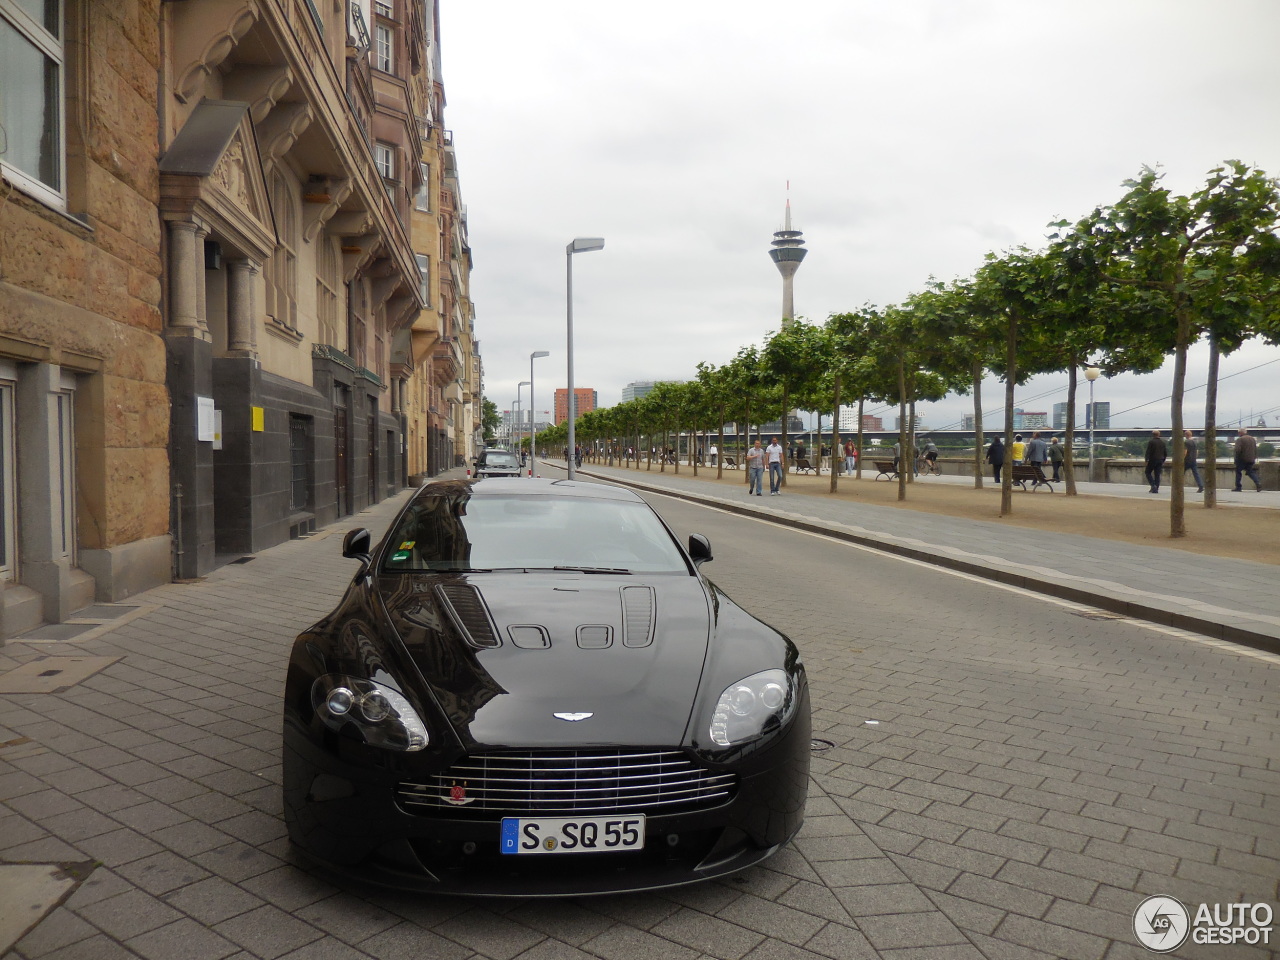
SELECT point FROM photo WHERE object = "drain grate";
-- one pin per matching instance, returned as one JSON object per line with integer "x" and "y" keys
{"x": 1098, "y": 615}
{"x": 52, "y": 674}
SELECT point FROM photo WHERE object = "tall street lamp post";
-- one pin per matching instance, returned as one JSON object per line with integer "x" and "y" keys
{"x": 579, "y": 245}
{"x": 533, "y": 415}
{"x": 520, "y": 431}
{"x": 512, "y": 431}
{"x": 1091, "y": 374}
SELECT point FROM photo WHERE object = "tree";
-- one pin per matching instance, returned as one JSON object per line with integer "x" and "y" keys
{"x": 490, "y": 419}
{"x": 1196, "y": 255}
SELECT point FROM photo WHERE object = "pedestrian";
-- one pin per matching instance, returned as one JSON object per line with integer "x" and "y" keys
{"x": 714, "y": 453}
{"x": 1056, "y": 456}
{"x": 1037, "y": 451}
{"x": 755, "y": 470}
{"x": 1189, "y": 461}
{"x": 1019, "y": 448}
{"x": 897, "y": 455}
{"x": 1157, "y": 453}
{"x": 850, "y": 457}
{"x": 775, "y": 457}
{"x": 1246, "y": 451}
{"x": 995, "y": 457}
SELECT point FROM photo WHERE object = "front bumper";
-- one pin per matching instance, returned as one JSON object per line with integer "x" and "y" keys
{"x": 347, "y": 818}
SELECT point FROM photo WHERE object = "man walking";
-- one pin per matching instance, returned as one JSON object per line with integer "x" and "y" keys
{"x": 775, "y": 457}
{"x": 1189, "y": 462}
{"x": 755, "y": 469}
{"x": 1157, "y": 454}
{"x": 1056, "y": 457}
{"x": 1037, "y": 450}
{"x": 1246, "y": 451}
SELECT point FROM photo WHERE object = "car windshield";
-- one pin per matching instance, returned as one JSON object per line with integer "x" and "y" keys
{"x": 499, "y": 458}
{"x": 462, "y": 533}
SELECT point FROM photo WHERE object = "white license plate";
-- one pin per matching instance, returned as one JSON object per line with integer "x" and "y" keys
{"x": 572, "y": 834}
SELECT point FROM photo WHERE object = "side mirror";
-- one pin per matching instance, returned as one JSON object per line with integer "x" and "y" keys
{"x": 699, "y": 549}
{"x": 357, "y": 545}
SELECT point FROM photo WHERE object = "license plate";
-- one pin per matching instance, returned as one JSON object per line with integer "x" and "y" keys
{"x": 572, "y": 834}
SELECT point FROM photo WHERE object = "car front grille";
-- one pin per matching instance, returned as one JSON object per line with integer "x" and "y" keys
{"x": 569, "y": 782}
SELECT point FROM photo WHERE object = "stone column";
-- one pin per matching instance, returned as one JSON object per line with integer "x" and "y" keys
{"x": 241, "y": 321}
{"x": 186, "y": 279}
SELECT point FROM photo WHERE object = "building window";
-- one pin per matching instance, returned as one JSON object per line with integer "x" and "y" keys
{"x": 423, "y": 198}
{"x": 282, "y": 270}
{"x": 424, "y": 277}
{"x": 31, "y": 84}
{"x": 384, "y": 158}
{"x": 327, "y": 300}
{"x": 8, "y": 488}
{"x": 299, "y": 462}
{"x": 383, "y": 9}
{"x": 384, "y": 47}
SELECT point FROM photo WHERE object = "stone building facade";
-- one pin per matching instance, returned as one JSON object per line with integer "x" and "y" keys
{"x": 208, "y": 263}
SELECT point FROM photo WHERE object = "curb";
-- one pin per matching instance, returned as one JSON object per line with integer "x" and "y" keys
{"x": 1133, "y": 609}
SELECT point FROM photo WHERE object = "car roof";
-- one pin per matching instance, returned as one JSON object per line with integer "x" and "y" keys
{"x": 528, "y": 487}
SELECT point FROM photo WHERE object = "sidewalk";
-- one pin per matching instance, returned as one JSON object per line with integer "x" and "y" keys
{"x": 1224, "y": 598}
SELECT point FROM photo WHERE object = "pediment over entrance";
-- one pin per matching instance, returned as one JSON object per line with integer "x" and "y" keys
{"x": 214, "y": 169}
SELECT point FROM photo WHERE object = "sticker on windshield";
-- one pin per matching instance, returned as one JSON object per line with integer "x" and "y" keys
{"x": 399, "y": 556}
{"x": 408, "y": 544}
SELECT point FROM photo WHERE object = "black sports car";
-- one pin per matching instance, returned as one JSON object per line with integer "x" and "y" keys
{"x": 530, "y": 689}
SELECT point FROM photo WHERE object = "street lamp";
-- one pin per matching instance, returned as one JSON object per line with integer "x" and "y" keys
{"x": 1091, "y": 374}
{"x": 533, "y": 414}
{"x": 520, "y": 432}
{"x": 579, "y": 245}
{"x": 515, "y": 419}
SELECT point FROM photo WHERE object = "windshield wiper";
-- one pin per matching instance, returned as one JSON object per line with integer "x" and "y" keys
{"x": 594, "y": 569}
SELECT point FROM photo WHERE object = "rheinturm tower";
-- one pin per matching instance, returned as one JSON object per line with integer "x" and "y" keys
{"x": 788, "y": 250}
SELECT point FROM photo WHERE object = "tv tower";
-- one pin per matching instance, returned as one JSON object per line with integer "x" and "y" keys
{"x": 788, "y": 250}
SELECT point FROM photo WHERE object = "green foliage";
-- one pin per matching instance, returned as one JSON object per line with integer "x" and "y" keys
{"x": 490, "y": 420}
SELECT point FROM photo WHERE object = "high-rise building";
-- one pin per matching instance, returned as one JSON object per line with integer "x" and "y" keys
{"x": 584, "y": 400}
{"x": 1104, "y": 415}
{"x": 637, "y": 389}
{"x": 787, "y": 253}
{"x": 1030, "y": 420}
{"x": 1059, "y": 416}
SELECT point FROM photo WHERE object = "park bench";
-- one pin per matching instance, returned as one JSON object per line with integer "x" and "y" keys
{"x": 888, "y": 469}
{"x": 802, "y": 464}
{"x": 1030, "y": 472}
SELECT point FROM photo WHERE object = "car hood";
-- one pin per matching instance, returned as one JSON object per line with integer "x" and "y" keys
{"x": 503, "y": 653}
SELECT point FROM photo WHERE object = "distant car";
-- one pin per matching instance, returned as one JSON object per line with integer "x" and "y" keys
{"x": 497, "y": 463}
{"x": 530, "y": 689}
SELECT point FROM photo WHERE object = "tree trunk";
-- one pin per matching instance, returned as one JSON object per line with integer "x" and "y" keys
{"x": 1011, "y": 376}
{"x": 786, "y": 458}
{"x": 904, "y": 455}
{"x": 835, "y": 433}
{"x": 720, "y": 446}
{"x": 858, "y": 467}
{"x": 1177, "y": 501}
{"x": 977, "y": 425}
{"x": 1211, "y": 428}
{"x": 1068, "y": 459}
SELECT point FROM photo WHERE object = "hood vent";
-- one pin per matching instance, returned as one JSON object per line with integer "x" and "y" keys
{"x": 638, "y": 616}
{"x": 465, "y": 607}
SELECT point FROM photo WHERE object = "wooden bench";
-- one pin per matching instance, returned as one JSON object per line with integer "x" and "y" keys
{"x": 802, "y": 464}
{"x": 888, "y": 469}
{"x": 1030, "y": 472}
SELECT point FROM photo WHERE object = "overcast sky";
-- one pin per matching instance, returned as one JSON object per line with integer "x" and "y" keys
{"x": 916, "y": 135}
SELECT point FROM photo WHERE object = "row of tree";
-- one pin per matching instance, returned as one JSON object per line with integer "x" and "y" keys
{"x": 1121, "y": 289}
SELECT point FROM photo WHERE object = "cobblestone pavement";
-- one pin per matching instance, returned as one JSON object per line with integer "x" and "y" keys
{"x": 1033, "y": 772}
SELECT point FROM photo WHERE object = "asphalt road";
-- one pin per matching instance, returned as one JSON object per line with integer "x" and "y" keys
{"x": 1009, "y": 772}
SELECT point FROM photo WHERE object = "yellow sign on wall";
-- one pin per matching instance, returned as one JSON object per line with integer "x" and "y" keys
{"x": 258, "y": 419}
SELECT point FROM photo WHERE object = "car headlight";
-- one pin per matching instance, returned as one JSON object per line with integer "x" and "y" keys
{"x": 383, "y": 717}
{"x": 748, "y": 707}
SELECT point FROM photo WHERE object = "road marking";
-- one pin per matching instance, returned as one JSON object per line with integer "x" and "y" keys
{"x": 1068, "y": 605}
